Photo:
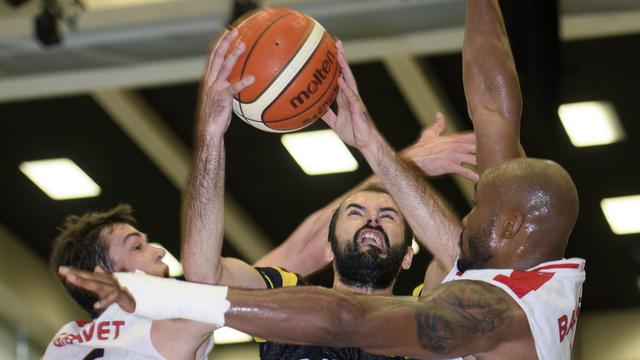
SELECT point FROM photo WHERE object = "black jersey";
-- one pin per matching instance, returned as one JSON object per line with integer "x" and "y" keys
{"x": 276, "y": 277}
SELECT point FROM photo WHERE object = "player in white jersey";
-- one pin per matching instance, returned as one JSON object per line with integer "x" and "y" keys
{"x": 511, "y": 293}
{"x": 109, "y": 241}
{"x": 549, "y": 294}
{"x": 117, "y": 334}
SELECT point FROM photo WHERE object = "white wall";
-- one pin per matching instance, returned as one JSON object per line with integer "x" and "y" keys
{"x": 15, "y": 345}
{"x": 613, "y": 335}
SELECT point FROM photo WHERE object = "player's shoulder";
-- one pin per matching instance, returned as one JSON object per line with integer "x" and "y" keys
{"x": 277, "y": 277}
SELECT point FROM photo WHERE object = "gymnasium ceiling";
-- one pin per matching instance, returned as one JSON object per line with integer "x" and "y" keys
{"x": 118, "y": 98}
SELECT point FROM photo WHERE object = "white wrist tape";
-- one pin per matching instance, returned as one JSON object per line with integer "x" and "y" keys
{"x": 161, "y": 299}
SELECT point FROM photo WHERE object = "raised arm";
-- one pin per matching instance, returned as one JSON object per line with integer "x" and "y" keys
{"x": 304, "y": 252}
{"x": 203, "y": 206}
{"x": 431, "y": 220}
{"x": 491, "y": 84}
{"x": 433, "y": 154}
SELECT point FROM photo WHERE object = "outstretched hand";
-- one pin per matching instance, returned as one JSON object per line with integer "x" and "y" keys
{"x": 103, "y": 285}
{"x": 216, "y": 94}
{"x": 352, "y": 123}
{"x": 436, "y": 154}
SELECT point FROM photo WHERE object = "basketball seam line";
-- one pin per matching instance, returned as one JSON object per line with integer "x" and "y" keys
{"x": 309, "y": 31}
{"x": 244, "y": 64}
{"x": 311, "y": 105}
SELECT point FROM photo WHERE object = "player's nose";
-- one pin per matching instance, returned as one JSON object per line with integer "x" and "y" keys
{"x": 373, "y": 219}
{"x": 160, "y": 253}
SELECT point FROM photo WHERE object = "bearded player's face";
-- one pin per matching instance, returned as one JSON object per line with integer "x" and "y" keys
{"x": 130, "y": 250}
{"x": 369, "y": 242}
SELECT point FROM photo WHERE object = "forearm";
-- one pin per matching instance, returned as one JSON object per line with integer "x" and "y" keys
{"x": 203, "y": 212}
{"x": 491, "y": 84}
{"x": 459, "y": 317}
{"x": 324, "y": 317}
{"x": 283, "y": 315}
{"x": 303, "y": 251}
{"x": 433, "y": 223}
{"x": 489, "y": 72}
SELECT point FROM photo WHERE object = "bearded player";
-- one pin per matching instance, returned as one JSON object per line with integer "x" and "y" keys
{"x": 109, "y": 241}
{"x": 509, "y": 293}
{"x": 369, "y": 238}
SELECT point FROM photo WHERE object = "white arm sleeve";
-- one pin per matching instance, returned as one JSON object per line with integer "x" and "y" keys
{"x": 161, "y": 299}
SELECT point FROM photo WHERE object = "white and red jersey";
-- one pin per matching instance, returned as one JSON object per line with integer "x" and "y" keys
{"x": 549, "y": 294}
{"x": 116, "y": 334}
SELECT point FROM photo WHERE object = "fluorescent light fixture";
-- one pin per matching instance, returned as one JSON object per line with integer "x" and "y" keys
{"x": 415, "y": 246}
{"x": 227, "y": 335}
{"x": 175, "y": 267}
{"x": 319, "y": 152}
{"x": 591, "y": 123}
{"x": 60, "y": 179}
{"x": 622, "y": 214}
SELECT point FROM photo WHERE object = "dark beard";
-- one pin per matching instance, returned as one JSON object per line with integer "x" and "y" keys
{"x": 366, "y": 269}
{"x": 479, "y": 252}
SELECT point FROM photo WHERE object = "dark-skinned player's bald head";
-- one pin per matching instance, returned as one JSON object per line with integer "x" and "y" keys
{"x": 543, "y": 192}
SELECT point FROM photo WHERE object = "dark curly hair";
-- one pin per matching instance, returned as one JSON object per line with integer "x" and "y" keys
{"x": 80, "y": 244}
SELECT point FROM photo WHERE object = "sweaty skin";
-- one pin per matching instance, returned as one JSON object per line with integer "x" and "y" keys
{"x": 524, "y": 213}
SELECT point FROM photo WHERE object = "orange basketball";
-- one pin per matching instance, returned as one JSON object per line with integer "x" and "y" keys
{"x": 296, "y": 71}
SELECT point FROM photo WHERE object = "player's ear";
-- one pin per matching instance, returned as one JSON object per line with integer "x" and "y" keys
{"x": 509, "y": 224}
{"x": 99, "y": 269}
{"x": 328, "y": 253}
{"x": 408, "y": 258}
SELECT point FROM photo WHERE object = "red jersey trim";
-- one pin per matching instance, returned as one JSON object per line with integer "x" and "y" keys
{"x": 557, "y": 266}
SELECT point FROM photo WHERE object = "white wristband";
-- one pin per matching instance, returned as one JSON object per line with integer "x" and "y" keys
{"x": 161, "y": 299}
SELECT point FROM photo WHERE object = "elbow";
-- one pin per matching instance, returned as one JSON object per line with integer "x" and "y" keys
{"x": 199, "y": 274}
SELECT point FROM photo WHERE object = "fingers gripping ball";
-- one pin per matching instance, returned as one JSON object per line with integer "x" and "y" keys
{"x": 294, "y": 63}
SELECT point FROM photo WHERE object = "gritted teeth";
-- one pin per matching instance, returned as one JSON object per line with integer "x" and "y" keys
{"x": 372, "y": 237}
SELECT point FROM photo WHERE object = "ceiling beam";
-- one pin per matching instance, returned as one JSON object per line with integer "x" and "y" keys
{"x": 67, "y": 83}
{"x": 17, "y": 23}
{"x": 189, "y": 69}
{"x": 600, "y": 24}
{"x": 108, "y": 14}
{"x": 425, "y": 100}
{"x": 144, "y": 126}
{"x": 30, "y": 297}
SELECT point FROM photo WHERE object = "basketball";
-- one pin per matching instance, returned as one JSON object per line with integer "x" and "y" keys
{"x": 294, "y": 63}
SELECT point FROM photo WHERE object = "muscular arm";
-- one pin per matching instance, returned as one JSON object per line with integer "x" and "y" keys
{"x": 433, "y": 277}
{"x": 203, "y": 219}
{"x": 457, "y": 318}
{"x": 203, "y": 207}
{"x": 433, "y": 223}
{"x": 304, "y": 252}
{"x": 491, "y": 84}
{"x": 180, "y": 339}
